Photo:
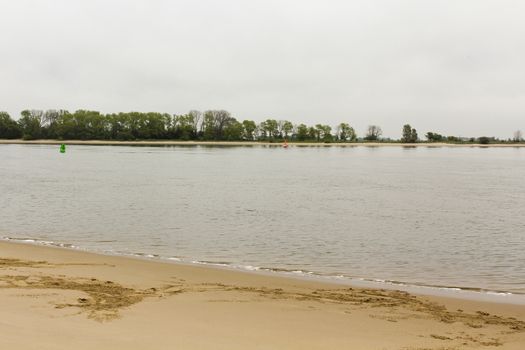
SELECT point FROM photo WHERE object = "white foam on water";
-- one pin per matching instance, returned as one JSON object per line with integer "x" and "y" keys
{"x": 466, "y": 293}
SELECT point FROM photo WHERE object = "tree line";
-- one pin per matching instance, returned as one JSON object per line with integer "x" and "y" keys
{"x": 210, "y": 125}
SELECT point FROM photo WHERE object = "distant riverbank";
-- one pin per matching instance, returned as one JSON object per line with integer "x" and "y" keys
{"x": 254, "y": 143}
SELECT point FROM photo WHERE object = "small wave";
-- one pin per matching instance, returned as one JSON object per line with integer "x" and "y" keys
{"x": 340, "y": 278}
{"x": 499, "y": 293}
{"x": 248, "y": 267}
{"x": 145, "y": 255}
{"x": 41, "y": 242}
{"x": 211, "y": 263}
{"x": 174, "y": 258}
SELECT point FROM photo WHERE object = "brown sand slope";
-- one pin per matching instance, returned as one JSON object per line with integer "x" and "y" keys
{"x": 61, "y": 299}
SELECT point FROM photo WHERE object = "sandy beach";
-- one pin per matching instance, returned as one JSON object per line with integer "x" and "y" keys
{"x": 249, "y": 143}
{"x": 54, "y": 298}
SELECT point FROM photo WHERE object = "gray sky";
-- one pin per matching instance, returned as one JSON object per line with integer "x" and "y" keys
{"x": 451, "y": 66}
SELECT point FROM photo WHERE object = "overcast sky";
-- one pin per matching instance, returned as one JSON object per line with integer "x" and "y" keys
{"x": 452, "y": 66}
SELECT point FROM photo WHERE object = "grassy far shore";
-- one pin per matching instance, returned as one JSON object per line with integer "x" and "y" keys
{"x": 255, "y": 143}
{"x": 58, "y": 298}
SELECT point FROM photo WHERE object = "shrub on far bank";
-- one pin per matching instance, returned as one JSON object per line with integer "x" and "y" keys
{"x": 484, "y": 140}
{"x": 9, "y": 129}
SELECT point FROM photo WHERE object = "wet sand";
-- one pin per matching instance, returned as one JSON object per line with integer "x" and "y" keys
{"x": 251, "y": 143}
{"x": 53, "y": 298}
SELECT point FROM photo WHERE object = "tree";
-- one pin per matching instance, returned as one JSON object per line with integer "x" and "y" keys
{"x": 327, "y": 133}
{"x": 270, "y": 127}
{"x": 233, "y": 130}
{"x": 196, "y": 119}
{"x": 346, "y": 133}
{"x": 318, "y": 132}
{"x": 9, "y": 129}
{"x": 323, "y": 133}
{"x": 434, "y": 137}
{"x": 31, "y": 124}
{"x": 287, "y": 128}
{"x": 156, "y": 126}
{"x": 80, "y": 125}
{"x": 302, "y": 132}
{"x": 184, "y": 126}
{"x": 208, "y": 126}
{"x": 119, "y": 126}
{"x": 214, "y": 124}
{"x": 222, "y": 118}
{"x": 52, "y": 120}
{"x": 484, "y": 140}
{"x": 413, "y": 136}
{"x": 260, "y": 132}
{"x": 312, "y": 133}
{"x": 409, "y": 134}
{"x": 373, "y": 133}
{"x": 249, "y": 128}
{"x": 518, "y": 136}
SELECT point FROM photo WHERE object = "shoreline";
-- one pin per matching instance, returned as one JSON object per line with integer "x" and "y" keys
{"x": 455, "y": 292}
{"x": 254, "y": 143}
{"x": 122, "y": 302}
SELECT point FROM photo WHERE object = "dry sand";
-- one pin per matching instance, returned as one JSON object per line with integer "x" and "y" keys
{"x": 250, "y": 143}
{"x": 52, "y": 298}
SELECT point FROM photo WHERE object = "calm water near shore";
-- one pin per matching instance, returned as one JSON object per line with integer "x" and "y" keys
{"x": 431, "y": 216}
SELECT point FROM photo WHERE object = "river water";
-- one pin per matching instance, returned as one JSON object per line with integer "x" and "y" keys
{"x": 424, "y": 216}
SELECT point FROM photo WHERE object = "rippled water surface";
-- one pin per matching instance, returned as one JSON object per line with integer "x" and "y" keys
{"x": 436, "y": 216}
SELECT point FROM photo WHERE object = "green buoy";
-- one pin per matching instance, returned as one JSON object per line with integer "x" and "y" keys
{"x": 62, "y": 148}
